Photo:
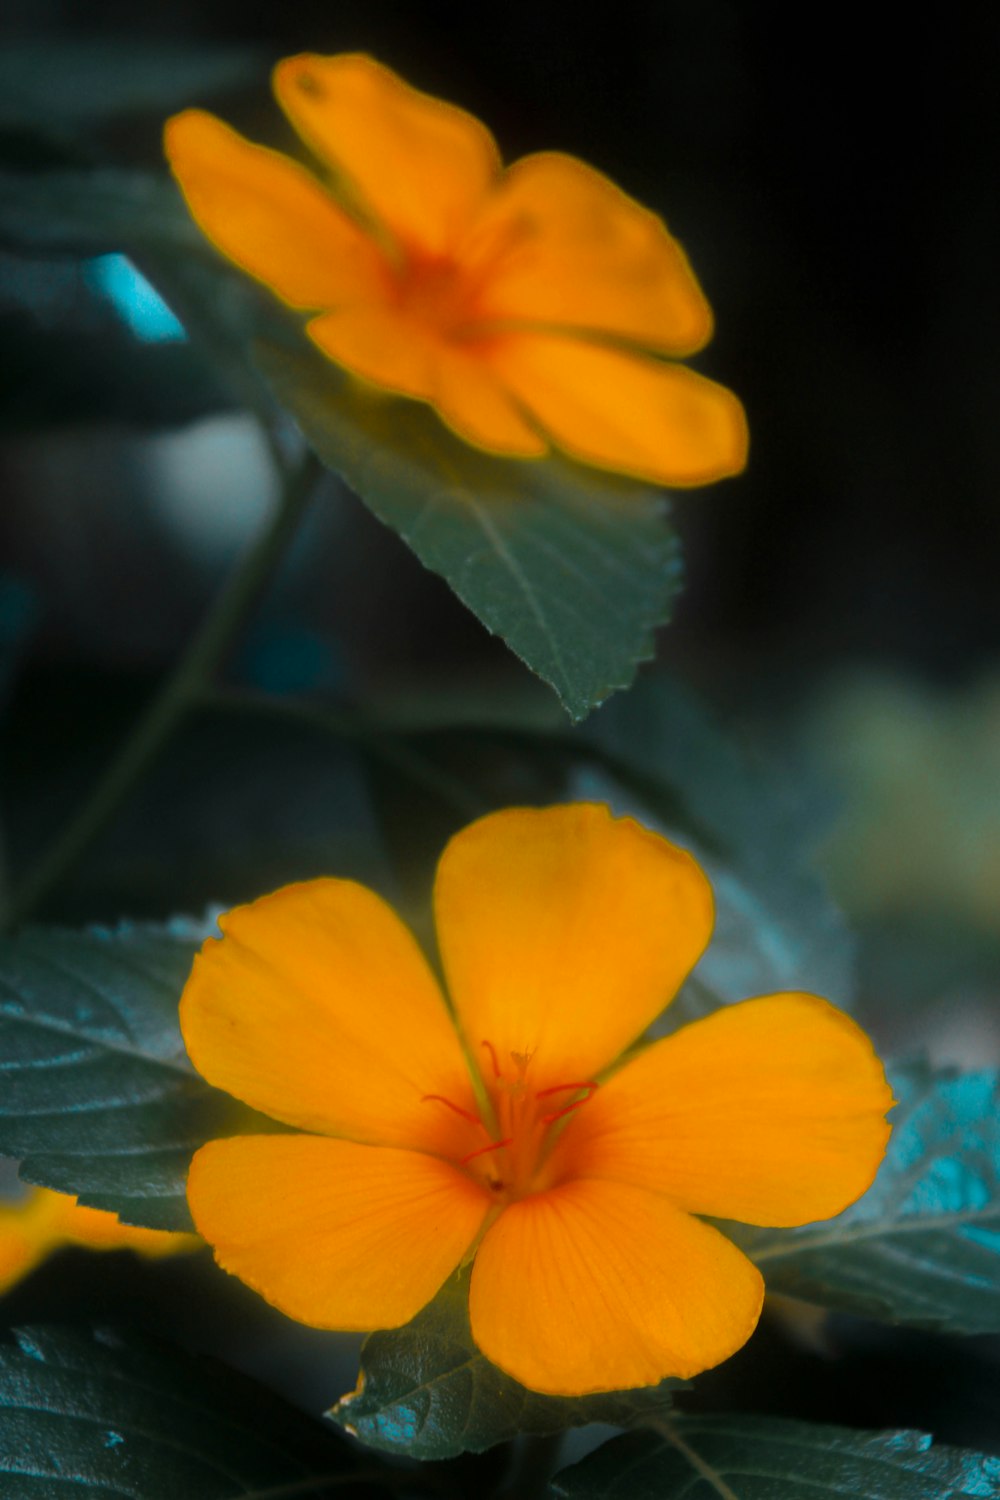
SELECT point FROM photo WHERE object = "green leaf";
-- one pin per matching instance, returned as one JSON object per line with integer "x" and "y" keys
{"x": 753, "y": 828}
{"x": 96, "y": 1416}
{"x": 923, "y": 1245}
{"x": 98, "y": 1097}
{"x": 426, "y": 1391}
{"x": 764, "y": 1458}
{"x": 572, "y": 568}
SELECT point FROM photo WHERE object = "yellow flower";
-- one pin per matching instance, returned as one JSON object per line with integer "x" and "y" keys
{"x": 528, "y": 305}
{"x": 42, "y": 1222}
{"x": 509, "y": 1126}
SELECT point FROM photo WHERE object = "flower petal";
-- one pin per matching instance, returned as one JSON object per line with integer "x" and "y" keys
{"x": 382, "y": 345}
{"x": 771, "y": 1112}
{"x": 564, "y": 932}
{"x": 561, "y": 244}
{"x": 318, "y": 1008}
{"x": 600, "y": 1286}
{"x": 334, "y": 1234}
{"x": 624, "y": 412}
{"x": 423, "y": 167}
{"x": 270, "y": 215}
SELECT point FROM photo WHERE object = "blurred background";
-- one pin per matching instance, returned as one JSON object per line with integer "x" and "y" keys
{"x": 833, "y": 179}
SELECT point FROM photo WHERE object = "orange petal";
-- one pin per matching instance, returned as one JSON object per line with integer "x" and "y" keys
{"x": 564, "y": 932}
{"x": 561, "y": 244}
{"x": 599, "y": 1286}
{"x": 334, "y": 1234}
{"x": 423, "y": 167}
{"x": 624, "y": 412}
{"x": 270, "y": 215}
{"x": 771, "y": 1112}
{"x": 318, "y": 1008}
{"x": 398, "y": 353}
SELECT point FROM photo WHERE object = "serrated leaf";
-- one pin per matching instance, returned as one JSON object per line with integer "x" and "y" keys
{"x": 764, "y": 1458}
{"x": 426, "y": 1391}
{"x": 97, "y": 1096}
{"x": 101, "y": 1416}
{"x": 572, "y": 568}
{"x": 923, "y": 1245}
{"x": 749, "y": 825}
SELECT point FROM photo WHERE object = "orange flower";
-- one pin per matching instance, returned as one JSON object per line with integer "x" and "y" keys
{"x": 527, "y": 306}
{"x": 42, "y": 1222}
{"x": 511, "y": 1128}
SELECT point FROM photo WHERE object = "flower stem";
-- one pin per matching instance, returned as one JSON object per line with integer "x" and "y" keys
{"x": 181, "y": 690}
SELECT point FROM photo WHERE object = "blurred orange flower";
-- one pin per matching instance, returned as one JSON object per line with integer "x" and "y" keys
{"x": 42, "y": 1221}
{"x": 527, "y": 305}
{"x": 511, "y": 1128}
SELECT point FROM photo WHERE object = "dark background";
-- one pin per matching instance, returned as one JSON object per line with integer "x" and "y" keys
{"x": 832, "y": 173}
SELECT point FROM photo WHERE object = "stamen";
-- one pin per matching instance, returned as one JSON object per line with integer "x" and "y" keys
{"x": 588, "y": 1088}
{"x": 465, "y": 1113}
{"x": 493, "y": 1057}
{"x": 493, "y": 1146}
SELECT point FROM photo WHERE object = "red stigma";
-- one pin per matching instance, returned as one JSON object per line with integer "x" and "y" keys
{"x": 465, "y": 1113}
{"x": 482, "y": 1150}
{"x": 493, "y": 1057}
{"x": 588, "y": 1088}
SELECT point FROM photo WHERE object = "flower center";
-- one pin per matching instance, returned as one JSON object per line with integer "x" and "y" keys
{"x": 512, "y": 1163}
{"x": 437, "y": 291}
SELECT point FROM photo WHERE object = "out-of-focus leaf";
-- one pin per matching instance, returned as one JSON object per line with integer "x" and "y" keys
{"x": 90, "y": 212}
{"x": 749, "y": 826}
{"x": 84, "y": 83}
{"x": 101, "y": 1415}
{"x": 769, "y": 1458}
{"x": 97, "y": 1095}
{"x": 50, "y": 377}
{"x": 426, "y": 1391}
{"x": 923, "y": 1245}
{"x": 572, "y": 568}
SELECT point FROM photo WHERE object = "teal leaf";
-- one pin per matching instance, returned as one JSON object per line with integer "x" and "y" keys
{"x": 97, "y": 1095}
{"x": 574, "y": 569}
{"x": 770, "y": 1458}
{"x": 426, "y": 1391}
{"x": 923, "y": 1245}
{"x": 103, "y": 1416}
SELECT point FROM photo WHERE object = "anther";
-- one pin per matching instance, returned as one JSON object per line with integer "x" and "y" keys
{"x": 493, "y": 1057}
{"x": 493, "y": 1146}
{"x": 465, "y": 1113}
{"x": 588, "y": 1089}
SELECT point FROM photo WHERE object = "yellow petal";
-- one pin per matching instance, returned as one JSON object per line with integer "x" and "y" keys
{"x": 561, "y": 244}
{"x": 396, "y": 352}
{"x": 771, "y": 1112}
{"x": 564, "y": 932}
{"x": 600, "y": 1286}
{"x": 334, "y": 1234}
{"x": 97, "y": 1229}
{"x": 624, "y": 412}
{"x": 270, "y": 215}
{"x": 318, "y": 1008}
{"x": 423, "y": 167}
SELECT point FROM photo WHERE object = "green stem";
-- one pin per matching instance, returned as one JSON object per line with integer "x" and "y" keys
{"x": 179, "y": 693}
